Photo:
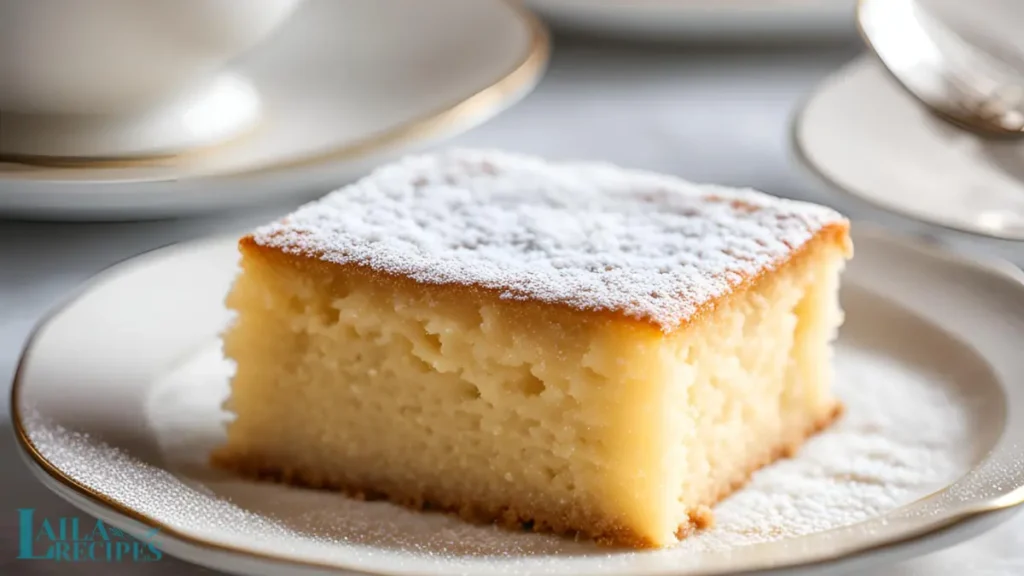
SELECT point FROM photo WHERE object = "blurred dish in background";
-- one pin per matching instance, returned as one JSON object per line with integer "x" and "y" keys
{"x": 961, "y": 60}
{"x": 109, "y": 78}
{"x": 744, "y": 20}
{"x": 864, "y": 135}
{"x": 344, "y": 86}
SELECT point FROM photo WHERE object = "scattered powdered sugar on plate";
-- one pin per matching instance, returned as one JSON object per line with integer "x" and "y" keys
{"x": 590, "y": 235}
{"x": 909, "y": 429}
{"x": 901, "y": 437}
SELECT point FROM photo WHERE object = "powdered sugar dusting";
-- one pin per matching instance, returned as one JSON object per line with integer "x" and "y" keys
{"x": 590, "y": 235}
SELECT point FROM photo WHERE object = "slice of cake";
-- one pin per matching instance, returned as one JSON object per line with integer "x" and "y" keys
{"x": 573, "y": 347}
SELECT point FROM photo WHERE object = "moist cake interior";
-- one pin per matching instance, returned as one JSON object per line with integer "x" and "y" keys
{"x": 622, "y": 421}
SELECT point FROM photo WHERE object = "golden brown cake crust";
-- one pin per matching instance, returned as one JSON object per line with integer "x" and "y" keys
{"x": 836, "y": 234}
{"x": 521, "y": 515}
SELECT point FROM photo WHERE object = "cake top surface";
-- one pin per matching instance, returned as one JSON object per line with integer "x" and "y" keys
{"x": 590, "y": 235}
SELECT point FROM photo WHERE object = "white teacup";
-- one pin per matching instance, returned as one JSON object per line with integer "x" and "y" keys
{"x": 115, "y": 78}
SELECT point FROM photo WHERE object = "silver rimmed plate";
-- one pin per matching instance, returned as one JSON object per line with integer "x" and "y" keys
{"x": 865, "y": 136}
{"x": 116, "y": 404}
{"x": 345, "y": 86}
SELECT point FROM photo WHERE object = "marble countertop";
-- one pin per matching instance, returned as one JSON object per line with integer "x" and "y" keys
{"x": 708, "y": 114}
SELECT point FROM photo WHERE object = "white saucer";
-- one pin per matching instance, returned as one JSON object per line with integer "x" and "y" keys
{"x": 116, "y": 403}
{"x": 218, "y": 110}
{"x": 344, "y": 86}
{"x": 755, "y": 20}
{"x": 863, "y": 135}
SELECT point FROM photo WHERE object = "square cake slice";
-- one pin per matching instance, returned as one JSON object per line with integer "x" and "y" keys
{"x": 569, "y": 346}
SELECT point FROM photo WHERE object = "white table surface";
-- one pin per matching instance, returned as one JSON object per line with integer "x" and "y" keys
{"x": 707, "y": 114}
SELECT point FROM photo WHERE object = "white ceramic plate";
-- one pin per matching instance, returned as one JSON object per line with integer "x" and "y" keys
{"x": 345, "y": 86}
{"x": 864, "y": 135}
{"x": 703, "y": 19}
{"x": 116, "y": 404}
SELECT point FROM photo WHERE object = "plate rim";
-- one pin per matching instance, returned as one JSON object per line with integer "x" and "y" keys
{"x": 484, "y": 103}
{"x": 976, "y": 513}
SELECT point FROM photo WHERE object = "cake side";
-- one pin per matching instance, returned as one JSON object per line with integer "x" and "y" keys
{"x": 520, "y": 411}
{"x": 446, "y": 396}
{"x": 590, "y": 236}
{"x": 750, "y": 382}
